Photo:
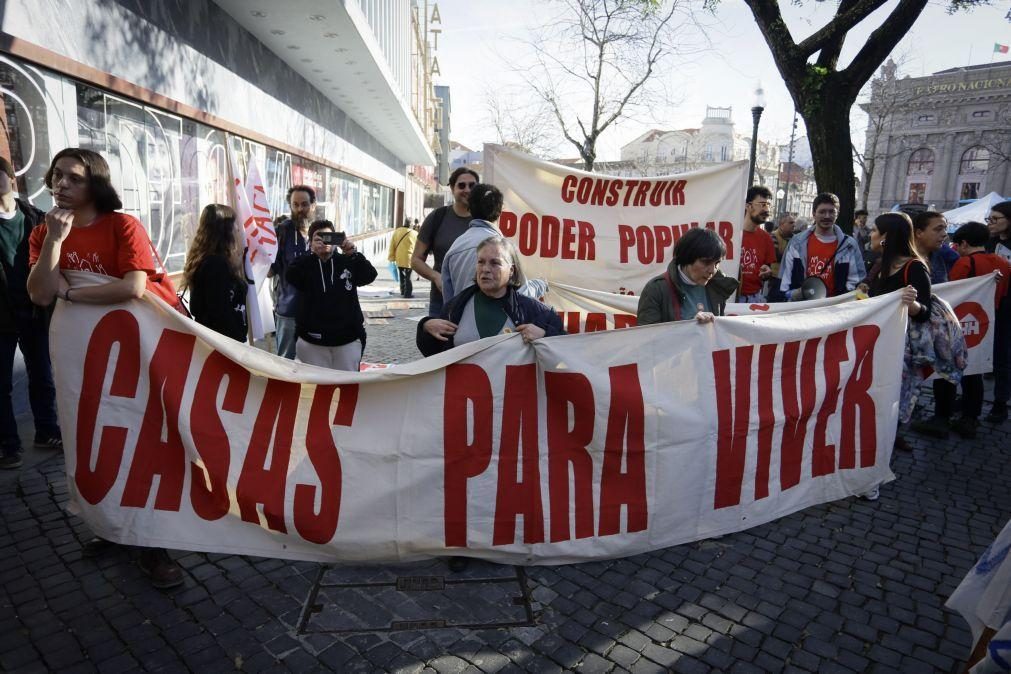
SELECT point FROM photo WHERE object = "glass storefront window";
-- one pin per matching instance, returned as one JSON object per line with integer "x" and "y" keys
{"x": 166, "y": 168}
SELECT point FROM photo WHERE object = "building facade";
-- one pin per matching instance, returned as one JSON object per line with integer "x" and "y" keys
{"x": 313, "y": 93}
{"x": 659, "y": 152}
{"x": 940, "y": 140}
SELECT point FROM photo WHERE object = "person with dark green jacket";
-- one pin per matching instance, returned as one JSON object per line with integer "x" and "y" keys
{"x": 692, "y": 286}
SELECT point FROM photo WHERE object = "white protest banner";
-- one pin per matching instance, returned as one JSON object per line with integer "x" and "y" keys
{"x": 575, "y": 447}
{"x": 607, "y": 232}
{"x": 972, "y": 300}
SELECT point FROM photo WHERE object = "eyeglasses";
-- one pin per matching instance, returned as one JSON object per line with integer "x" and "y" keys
{"x": 465, "y": 186}
{"x": 761, "y": 204}
{"x": 994, "y": 219}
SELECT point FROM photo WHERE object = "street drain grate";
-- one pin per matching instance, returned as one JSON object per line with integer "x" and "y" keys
{"x": 418, "y": 596}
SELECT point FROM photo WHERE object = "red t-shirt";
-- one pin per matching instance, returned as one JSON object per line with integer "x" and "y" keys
{"x": 114, "y": 244}
{"x": 818, "y": 254}
{"x": 757, "y": 249}
{"x": 983, "y": 263}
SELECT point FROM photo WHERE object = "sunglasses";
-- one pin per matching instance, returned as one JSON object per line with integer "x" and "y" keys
{"x": 465, "y": 186}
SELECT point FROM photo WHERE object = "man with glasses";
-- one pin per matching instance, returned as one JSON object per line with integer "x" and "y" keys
{"x": 824, "y": 252}
{"x": 440, "y": 229}
{"x": 758, "y": 253}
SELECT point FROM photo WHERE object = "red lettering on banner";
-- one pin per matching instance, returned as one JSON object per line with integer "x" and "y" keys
{"x": 549, "y": 237}
{"x": 567, "y": 447}
{"x": 625, "y": 444}
{"x": 116, "y": 328}
{"x": 507, "y": 224}
{"x": 733, "y": 413}
{"x": 260, "y": 484}
{"x": 798, "y": 408}
{"x": 154, "y": 455}
{"x": 325, "y": 458}
{"x": 625, "y": 321}
{"x": 209, "y": 483}
{"x": 626, "y": 239}
{"x": 612, "y": 192}
{"x": 630, "y": 186}
{"x": 607, "y": 191}
{"x": 856, "y": 396}
{"x": 766, "y": 418}
{"x": 519, "y": 493}
{"x": 528, "y": 234}
{"x": 466, "y": 385}
{"x": 798, "y": 387}
{"x": 822, "y": 453}
{"x": 568, "y": 188}
{"x": 644, "y": 244}
{"x": 641, "y": 193}
{"x": 595, "y": 322}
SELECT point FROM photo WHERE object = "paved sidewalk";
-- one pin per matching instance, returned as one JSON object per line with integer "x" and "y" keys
{"x": 850, "y": 586}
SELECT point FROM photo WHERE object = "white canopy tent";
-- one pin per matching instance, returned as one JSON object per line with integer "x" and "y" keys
{"x": 976, "y": 211}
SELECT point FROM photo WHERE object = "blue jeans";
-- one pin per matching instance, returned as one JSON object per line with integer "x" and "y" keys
{"x": 284, "y": 328}
{"x": 32, "y": 337}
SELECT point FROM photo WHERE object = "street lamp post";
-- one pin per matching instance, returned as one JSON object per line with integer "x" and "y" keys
{"x": 756, "y": 114}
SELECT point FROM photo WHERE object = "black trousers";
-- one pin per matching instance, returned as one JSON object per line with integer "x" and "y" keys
{"x": 406, "y": 287}
{"x": 972, "y": 397}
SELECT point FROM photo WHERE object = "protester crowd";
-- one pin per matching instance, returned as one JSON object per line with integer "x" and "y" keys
{"x": 478, "y": 288}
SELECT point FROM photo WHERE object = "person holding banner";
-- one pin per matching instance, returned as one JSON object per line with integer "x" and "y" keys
{"x": 492, "y": 306}
{"x": 931, "y": 229}
{"x": 292, "y": 244}
{"x": 329, "y": 323}
{"x": 214, "y": 275}
{"x": 84, "y": 232}
{"x": 692, "y": 286}
{"x": 823, "y": 252}
{"x": 440, "y": 229}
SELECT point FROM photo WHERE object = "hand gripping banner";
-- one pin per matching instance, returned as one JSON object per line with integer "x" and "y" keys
{"x": 573, "y": 448}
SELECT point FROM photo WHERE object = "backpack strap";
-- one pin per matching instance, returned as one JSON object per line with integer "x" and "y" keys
{"x": 675, "y": 299}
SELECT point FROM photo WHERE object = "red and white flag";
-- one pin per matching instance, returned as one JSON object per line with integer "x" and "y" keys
{"x": 253, "y": 217}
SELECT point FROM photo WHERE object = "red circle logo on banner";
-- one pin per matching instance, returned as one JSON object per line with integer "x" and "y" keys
{"x": 974, "y": 322}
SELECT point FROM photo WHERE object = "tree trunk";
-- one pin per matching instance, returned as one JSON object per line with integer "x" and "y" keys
{"x": 828, "y": 131}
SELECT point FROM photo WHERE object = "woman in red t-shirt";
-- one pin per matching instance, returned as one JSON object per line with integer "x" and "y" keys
{"x": 84, "y": 232}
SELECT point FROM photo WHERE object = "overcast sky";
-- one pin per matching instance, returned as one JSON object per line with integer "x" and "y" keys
{"x": 481, "y": 37}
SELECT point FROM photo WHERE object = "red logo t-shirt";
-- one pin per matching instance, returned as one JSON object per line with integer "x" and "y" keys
{"x": 113, "y": 244}
{"x": 757, "y": 249}
{"x": 818, "y": 255}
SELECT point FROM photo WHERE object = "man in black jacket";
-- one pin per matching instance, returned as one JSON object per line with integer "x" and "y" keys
{"x": 329, "y": 322}
{"x": 24, "y": 325}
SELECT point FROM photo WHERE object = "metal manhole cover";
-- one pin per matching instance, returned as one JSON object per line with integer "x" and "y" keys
{"x": 415, "y": 597}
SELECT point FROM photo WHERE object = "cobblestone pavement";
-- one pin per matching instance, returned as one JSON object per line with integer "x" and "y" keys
{"x": 850, "y": 586}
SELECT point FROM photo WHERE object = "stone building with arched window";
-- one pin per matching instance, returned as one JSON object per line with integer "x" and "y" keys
{"x": 938, "y": 140}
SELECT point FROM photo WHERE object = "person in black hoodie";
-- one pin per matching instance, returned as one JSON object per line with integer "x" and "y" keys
{"x": 329, "y": 322}
{"x": 24, "y": 325}
{"x": 214, "y": 275}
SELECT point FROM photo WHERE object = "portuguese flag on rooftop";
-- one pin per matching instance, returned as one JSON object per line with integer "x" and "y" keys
{"x": 1000, "y": 48}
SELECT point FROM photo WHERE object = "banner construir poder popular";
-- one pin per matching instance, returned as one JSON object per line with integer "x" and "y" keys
{"x": 573, "y": 448}
{"x": 611, "y": 233}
